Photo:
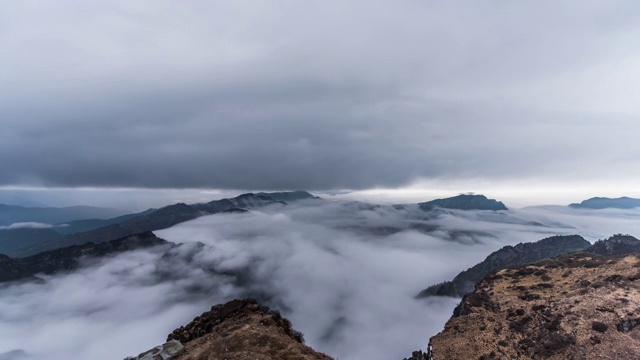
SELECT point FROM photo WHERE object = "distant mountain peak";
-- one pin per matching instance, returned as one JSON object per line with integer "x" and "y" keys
{"x": 464, "y": 202}
{"x": 606, "y": 203}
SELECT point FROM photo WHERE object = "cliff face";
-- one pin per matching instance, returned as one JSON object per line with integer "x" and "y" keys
{"x": 576, "y": 306}
{"x": 242, "y": 329}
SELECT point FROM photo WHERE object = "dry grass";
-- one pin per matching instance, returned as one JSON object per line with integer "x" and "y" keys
{"x": 548, "y": 312}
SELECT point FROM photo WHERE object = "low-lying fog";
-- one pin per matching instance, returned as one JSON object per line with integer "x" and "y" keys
{"x": 345, "y": 274}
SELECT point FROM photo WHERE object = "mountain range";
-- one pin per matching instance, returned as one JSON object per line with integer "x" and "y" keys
{"x": 33, "y": 241}
{"x": 607, "y": 203}
{"x": 69, "y": 258}
{"x": 82, "y": 224}
{"x": 155, "y": 219}
{"x": 11, "y": 214}
{"x": 245, "y": 329}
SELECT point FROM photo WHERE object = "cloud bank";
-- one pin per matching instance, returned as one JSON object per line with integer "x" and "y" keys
{"x": 31, "y": 225}
{"x": 345, "y": 273}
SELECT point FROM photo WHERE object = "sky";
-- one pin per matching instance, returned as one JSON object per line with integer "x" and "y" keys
{"x": 523, "y": 100}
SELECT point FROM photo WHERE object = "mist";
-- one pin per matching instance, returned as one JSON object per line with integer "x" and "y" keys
{"x": 31, "y": 225}
{"x": 344, "y": 273}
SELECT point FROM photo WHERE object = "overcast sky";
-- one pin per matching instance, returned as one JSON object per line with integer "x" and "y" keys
{"x": 322, "y": 95}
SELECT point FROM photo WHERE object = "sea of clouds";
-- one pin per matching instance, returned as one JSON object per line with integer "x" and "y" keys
{"x": 344, "y": 273}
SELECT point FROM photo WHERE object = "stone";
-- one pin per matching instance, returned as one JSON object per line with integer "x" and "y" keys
{"x": 166, "y": 351}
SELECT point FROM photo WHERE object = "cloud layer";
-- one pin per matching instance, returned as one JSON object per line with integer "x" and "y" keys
{"x": 344, "y": 273}
{"x": 285, "y": 95}
{"x": 30, "y": 225}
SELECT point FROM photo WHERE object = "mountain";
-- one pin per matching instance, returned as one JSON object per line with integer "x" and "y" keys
{"x": 154, "y": 220}
{"x": 605, "y": 203}
{"x": 289, "y": 196}
{"x": 68, "y": 258}
{"x": 76, "y": 226}
{"x": 464, "y": 202}
{"x": 239, "y": 329}
{"x": 523, "y": 253}
{"x": 14, "y": 239}
{"x": 575, "y": 306}
{"x": 618, "y": 244}
{"x": 10, "y": 214}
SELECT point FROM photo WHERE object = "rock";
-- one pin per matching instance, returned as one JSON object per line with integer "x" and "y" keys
{"x": 167, "y": 351}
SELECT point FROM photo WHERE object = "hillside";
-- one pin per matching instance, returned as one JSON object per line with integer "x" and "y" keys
{"x": 576, "y": 306}
{"x": 507, "y": 256}
{"x": 10, "y": 214}
{"x": 68, "y": 258}
{"x": 76, "y": 226}
{"x": 11, "y": 240}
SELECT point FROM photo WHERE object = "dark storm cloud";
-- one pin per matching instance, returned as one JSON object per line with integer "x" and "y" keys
{"x": 317, "y": 96}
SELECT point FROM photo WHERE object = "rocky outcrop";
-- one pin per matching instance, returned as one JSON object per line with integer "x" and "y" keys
{"x": 523, "y": 253}
{"x": 242, "y": 329}
{"x": 576, "y": 306}
{"x": 464, "y": 202}
{"x": 618, "y": 244}
{"x": 167, "y": 351}
{"x": 68, "y": 258}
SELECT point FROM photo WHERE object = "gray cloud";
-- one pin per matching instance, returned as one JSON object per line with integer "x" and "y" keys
{"x": 288, "y": 257}
{"x": 325, "y": 96}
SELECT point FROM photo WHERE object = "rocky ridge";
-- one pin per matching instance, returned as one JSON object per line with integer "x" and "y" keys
{"x": 618, "y": 244}
{"x": 523, "y": 253}
{"x": 575, "y": 306}
{"x": 239, "y": 329}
